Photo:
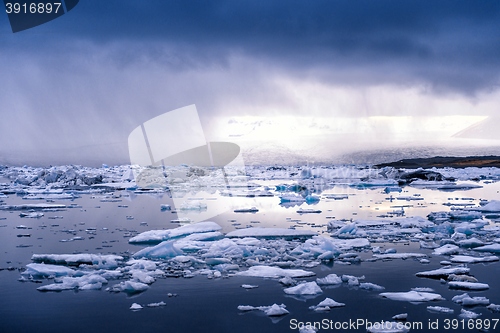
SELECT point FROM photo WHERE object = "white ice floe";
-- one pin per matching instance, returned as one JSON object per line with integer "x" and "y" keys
{"x": 129, "y": 287}
{"x": 155, "y": 305}
{"x": 308, "y": 211}
{"x": 466, "y": 300}
{"x": 468, "y": 285}
{"x": 466, "y": 314}
{"x": 471, "y": 242}
{"x": 275, "y": 272}
{"x": 413, "y": 296}
{"x": 492, "y": 206}
{"x": 440, "y": 309}
{"x": 272, "y": 310}
{"x": 494, "y": 307}
{"x": 472, "y": 260}
{"x": 330, "y": 279}
{"x": 326, "y": 305}
{"x": 446, "y": 249}
{"x": 249, "y": 286}
{"x": 32, "y": 206}
{"x": 271, "y": 233}
{"x": 495, "y": 248}
{"x": 156, "y": 236}
{"x": 107, "y": 261}
{"x": 443, "y": 272}
{"x": 135, "y": 307}
{"x": 47, "y": 270}
{"x": 306, "y": 288}
{"x": 164, "y": 250}
{"x": 85, "y": 282}
{"x": 399, "y": 256}
{"x": 401, "y": 316}
{"x": 371, "y": 286}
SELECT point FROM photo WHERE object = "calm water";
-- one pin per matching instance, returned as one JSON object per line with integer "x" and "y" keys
{"x": 210, "y": 305}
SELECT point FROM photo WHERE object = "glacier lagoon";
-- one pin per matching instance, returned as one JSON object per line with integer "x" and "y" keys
{"x": 70, "y": 261}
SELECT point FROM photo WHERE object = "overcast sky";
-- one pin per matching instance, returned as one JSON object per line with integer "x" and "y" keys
{"x": 74, "y": 88}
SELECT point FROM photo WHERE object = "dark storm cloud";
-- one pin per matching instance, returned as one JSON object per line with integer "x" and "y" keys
{"x": 448, "y": 45}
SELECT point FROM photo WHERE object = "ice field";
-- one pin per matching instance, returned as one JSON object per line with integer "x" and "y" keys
{"x": 273, "y": 248}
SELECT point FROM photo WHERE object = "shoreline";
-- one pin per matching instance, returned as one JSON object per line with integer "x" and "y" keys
{"x": 445, "y": 161}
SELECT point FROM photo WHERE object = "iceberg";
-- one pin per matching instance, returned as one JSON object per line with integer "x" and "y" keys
{"x": 468, "y": 285}
{"x": 85, "y": 282}
{"x": 466, "y": 300}
{"x": 440, "y": 309}
{"x": 330, "y": 279}
{"x": 326, "y": 305}
{"x": 306, "y": 288}
{"x": 413, "y": 296}
{"x": 472, "y": 260}
{"x": 273, "y": 310}
{"x": 275, "y": 272}
{"x": 166, "y": 249}
{"x": 446, "y": 249}
{"x": 157, "y": 236}
{"x": 495, "y": 248}
{"x": 47, "y": 270}
{"x": 443, "y": 272}
{"x": 108, "y": 261}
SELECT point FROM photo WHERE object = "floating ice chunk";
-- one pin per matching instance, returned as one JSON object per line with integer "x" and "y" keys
{"x": 287, "y": 281}
{"x": 348, "y": 229}
{"x": 440, "y": 309}
{"x": 275, "y": 272}
{"x": 493, "y": 307}
{"x": 307, "y": 288}
{"x": 307, "y": 329}
{"x": 249, "y": 286}
{"x": 330, "y": 279}
{"x": 492, "y": 206}
{"x": 413, "y": 296}
{"x": 470, "y": 243}
{"x": 473, "y": 260}
{"x": 276, "y": 310}
{"x": 308, "y": 211}
{"x": 371, "y": 286}
{"x": 155, "y": 305}
{"x": 226, "y": 248}
{"x": 468, "y": 285}
{"x": 108, "y": 261}
{"x": 142, "y": 264}
{"x": 166, "y": 249}
{"x": 387, "y": 327}
{"x": 273, "y": 310}
{"x": 130, "y": 287}
{"x": 401, "y": 316}
{"x": 399, "y": 255}
{"x": 426, "y": 289}
{"x": 47, "y": 270}
{"x": 463, "y": 278}
{"x": 156, "y": 236}
{"x": 33, "y": 215}
{"x": 466, "y": 314}
{"x": 326, "y": 305}
{"x": 443, "y": 272}
{"x": 85, "y": 282}
{"x": 32, "y": 206}
{"x": 466, "y": 300}
{"x": 246, "y": 210}
{"x": 495, "y": 248}
{"x": 352, "y": 280}
{"x": 165, "y": 207}
{"x": 271, "y": 233}
{"x": 135, "y": 307}
{"x": 446, "y": 249}
{"x": 292, "y": 198}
